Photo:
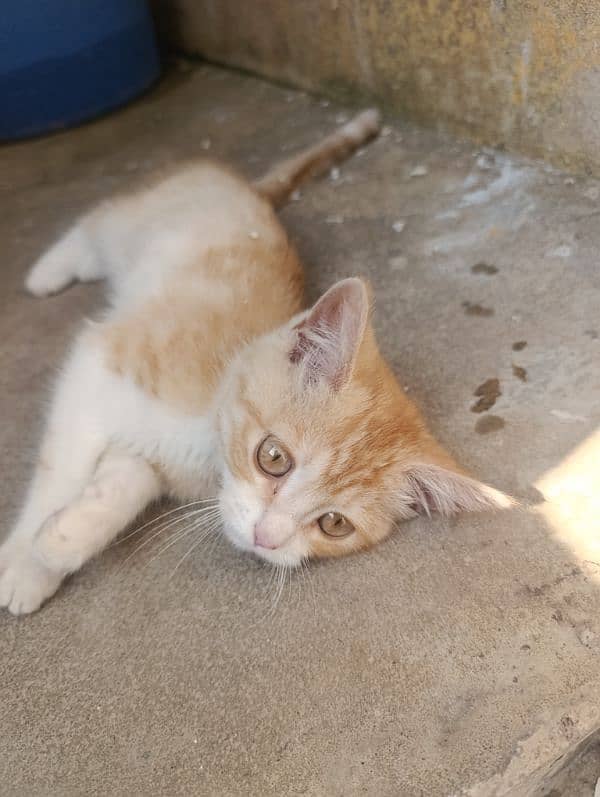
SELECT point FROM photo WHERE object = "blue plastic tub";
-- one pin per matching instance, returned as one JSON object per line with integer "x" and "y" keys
{"x": 65, "y": 61}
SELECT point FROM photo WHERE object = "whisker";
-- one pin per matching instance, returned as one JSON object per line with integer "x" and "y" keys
{"x": 191, "y": 549}
{"x": 215, "y": 541}
{"x": 302, "y": 578}
{"x": 205, "y": 514}
{"x": 272, "y": 589}
{"x": 309, "y": 579}
{"x": 206, "y": 533}
{"x": 280, "y": 584}
{"x": 299, "y": 587}
{"x": 164, "y": 515}
{"x": 172, "y": 541}
{"x": 284, "y": 582}
{"x": 195, "y": 523}
{"x": 194, "y": 513}
{"x": 272, "y": 572}
{"x": 273, "y": 582}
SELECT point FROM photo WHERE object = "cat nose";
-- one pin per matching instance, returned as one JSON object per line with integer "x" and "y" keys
{"x": 273, "y": 529}
{"x": 261, "y": 538}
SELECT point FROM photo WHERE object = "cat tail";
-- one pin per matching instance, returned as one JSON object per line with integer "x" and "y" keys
{"x": 282, "y": 179}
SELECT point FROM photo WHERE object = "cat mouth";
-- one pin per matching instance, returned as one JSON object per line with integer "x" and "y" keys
{"x": 282, "y": 552}
{"x": 281, "y": 556}
{"x": 272, "y": 555}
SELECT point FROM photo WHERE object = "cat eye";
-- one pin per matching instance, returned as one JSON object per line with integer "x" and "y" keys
{"x": 335, "y": 524}
{"x": 272, "y": 458}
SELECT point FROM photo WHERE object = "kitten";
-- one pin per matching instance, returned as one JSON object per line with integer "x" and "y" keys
{"x": 206, "y": 375}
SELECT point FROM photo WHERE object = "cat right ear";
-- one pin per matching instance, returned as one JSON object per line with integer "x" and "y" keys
{"x": 433, "y": 489}
{"x": 328, "y": 339}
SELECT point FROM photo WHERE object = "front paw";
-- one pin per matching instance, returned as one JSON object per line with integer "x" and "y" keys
{"x": 25, "y": 583}
{"x": 60, "y": 540}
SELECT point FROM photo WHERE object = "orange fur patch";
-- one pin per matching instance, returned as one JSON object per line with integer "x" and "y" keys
{"x": 175, "y": 346}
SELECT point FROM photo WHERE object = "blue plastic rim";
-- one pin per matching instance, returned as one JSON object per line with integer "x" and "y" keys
{"x": 65, "y": 61}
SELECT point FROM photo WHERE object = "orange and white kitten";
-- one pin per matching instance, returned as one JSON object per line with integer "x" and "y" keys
{"x": 205, "y": 375}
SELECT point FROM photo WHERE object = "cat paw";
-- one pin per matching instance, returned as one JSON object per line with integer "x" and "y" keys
{"x": 46, "y": 278}
{"x": 58, "y": 543}
{"x": 71, "y": 258}
{"x": 25, "y": 583}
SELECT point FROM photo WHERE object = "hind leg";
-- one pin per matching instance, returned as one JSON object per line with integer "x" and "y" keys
{"x": 72, "y": 257}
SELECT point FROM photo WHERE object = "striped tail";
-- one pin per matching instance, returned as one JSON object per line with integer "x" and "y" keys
{"x": 282, "y": 179}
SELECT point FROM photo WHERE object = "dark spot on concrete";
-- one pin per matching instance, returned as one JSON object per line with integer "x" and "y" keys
{"x": 489, "y": 423}
{"x": 488, "y": 392}
{"x": 484, "y": 268}
{"x": 540, "y": 589}
{"x": 566, "y": 724}
{"x": 519, "y": 372}
{"x": 525, "y": 647}
{"x": 477, "y": 309}
{"x": 592, "y": 333}
{"x": 515, "y": 679}
{"x": 519, "y": 345}
{"x": 558, "y": 616}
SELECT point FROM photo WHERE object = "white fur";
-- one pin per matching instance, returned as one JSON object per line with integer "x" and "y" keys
{"x": 137, "y": 241}
{"x": 94, "y": 477}
{"x": 102, "y": 429}
{"x": 72, "y": 257}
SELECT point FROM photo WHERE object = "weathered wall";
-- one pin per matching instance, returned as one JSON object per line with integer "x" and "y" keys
{"x": 524, "y": 74}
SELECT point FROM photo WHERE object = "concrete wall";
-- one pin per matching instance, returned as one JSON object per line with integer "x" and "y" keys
{"x": 524, "y": 74}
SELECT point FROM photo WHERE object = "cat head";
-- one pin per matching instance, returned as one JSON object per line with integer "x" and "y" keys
{"x": 321, "y": 450}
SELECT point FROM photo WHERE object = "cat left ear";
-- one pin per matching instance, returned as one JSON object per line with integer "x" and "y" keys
{"x": 435, "y": 489}
{"x": 328, "y": 339}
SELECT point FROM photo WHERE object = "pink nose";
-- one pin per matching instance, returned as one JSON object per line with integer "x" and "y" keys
{"x": 261, "y": 538}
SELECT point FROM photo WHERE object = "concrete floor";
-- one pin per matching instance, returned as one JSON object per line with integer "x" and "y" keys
{"x": 458, "y": 653}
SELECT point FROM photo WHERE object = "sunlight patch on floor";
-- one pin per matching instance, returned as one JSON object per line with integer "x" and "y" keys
{"x": 572, "y": 492}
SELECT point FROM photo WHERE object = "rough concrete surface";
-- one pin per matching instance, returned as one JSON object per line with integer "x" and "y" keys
{"x": 518, "y": 74}
{"x": 458, "y": 655}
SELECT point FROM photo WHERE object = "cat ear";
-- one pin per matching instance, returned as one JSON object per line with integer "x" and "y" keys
{"x": 432, "y": 488}
{"x": 327, "y": 340}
